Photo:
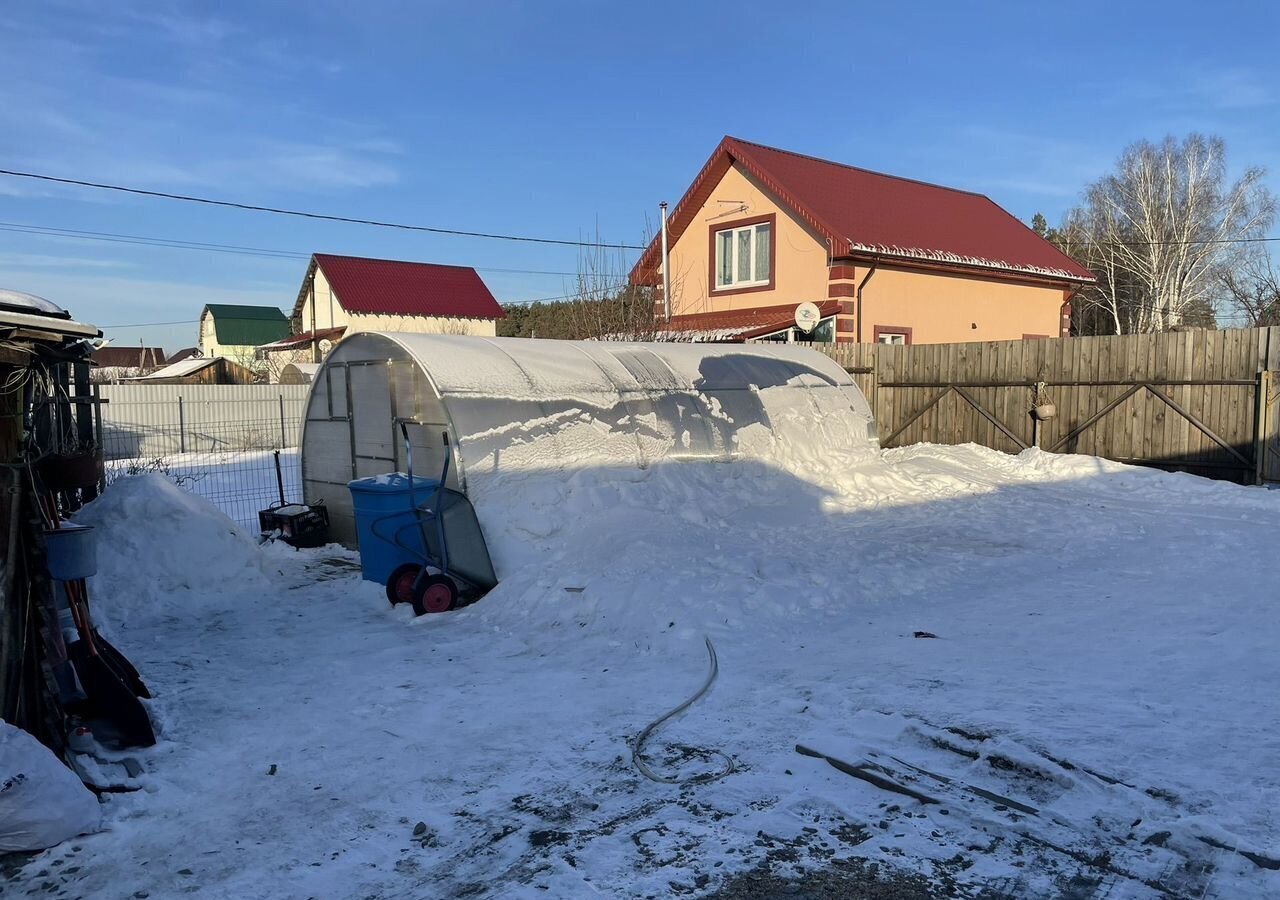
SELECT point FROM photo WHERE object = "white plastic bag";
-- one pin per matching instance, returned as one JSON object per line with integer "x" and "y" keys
{"x": 42, "y": 802}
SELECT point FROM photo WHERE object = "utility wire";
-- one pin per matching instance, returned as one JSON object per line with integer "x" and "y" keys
{"x": 174, "y": 244}
{"x": 251, "y": 207}
{"x": 501, "y": 302}
{"x": 1246, "y": 240}
{"x": 151, "y": 324}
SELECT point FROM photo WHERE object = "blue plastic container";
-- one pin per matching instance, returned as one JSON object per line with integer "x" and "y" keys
{"x": 71, "y": 552}
{"x": 385, "y": 523}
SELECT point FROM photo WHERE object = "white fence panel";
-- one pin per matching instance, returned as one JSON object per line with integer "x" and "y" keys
{"x": 153, "y": 420}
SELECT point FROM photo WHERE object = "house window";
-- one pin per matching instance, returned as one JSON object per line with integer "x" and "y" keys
{"x": 825, "y": 333}
{"x": 744, "y": 255}
{"x": 893, "y": 334}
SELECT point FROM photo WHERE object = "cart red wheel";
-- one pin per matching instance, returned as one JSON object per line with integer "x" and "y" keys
{"x": 400, "y": 584}
{"x": 435, "y": 594}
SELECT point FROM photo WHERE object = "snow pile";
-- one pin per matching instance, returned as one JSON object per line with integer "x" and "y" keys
{"x": 158, "y": 545}
{"x": 657, "y": 558}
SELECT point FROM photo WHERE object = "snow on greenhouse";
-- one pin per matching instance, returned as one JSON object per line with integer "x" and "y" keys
{"x": 519, "y": 405}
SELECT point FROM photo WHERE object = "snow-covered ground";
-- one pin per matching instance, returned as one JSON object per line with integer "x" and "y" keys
{"x": 1105, "y": 655}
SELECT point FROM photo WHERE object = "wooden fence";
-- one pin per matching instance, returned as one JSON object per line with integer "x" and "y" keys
{"x": 1206, "y": 402}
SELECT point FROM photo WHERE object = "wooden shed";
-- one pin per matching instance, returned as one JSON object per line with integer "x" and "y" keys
{"x": 218, "y": 370}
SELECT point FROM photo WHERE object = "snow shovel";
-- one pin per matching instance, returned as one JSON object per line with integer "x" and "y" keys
{"x": 120, "y": 716}
{"x": 120, "y": 719}
{"x": 118, "y": 662}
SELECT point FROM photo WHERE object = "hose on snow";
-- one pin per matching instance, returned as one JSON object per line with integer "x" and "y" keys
{"x": 637, "y": 750}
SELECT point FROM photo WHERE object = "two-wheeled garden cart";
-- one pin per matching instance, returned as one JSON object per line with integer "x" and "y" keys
{"x": 433, "y": 552}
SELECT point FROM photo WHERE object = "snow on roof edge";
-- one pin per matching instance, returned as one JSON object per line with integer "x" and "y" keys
{"x": 958, "y": 259}
{"x": 183, "y": 367}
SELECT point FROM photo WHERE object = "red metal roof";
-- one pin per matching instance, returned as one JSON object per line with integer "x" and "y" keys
{"x": 737, "y": 325}
{"x": 869, "y": 215}
{"x": 115, "y": 357}
{"x": 391, "y": 287}
{"x": 304, "y": 339}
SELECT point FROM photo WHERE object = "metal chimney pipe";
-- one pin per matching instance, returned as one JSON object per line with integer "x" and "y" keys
{"x": 666, "y": 267}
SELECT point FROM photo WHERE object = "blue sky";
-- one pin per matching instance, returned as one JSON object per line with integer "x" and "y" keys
{"x": 555, "y": 119}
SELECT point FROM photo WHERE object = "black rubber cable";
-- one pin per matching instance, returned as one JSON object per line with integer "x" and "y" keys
{"x": 638, "y": 748}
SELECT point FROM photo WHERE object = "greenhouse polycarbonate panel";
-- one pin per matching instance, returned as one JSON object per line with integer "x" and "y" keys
{"x": 515, "y": 405}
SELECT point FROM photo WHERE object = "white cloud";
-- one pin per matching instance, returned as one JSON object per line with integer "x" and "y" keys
{"x": 103, "y": 300}
{"x": 1191, "y": 90}
{"x": 1234, "y": 89}
{"x": 1038, "y": 164}
{"x": 14, "y": 261}
{"x": 68, "y": 109}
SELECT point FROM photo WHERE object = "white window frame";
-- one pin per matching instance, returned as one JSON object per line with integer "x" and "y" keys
{"x": 793, "y": 335}
{"x": 895, "y": 338}
{"x": 734, "y": 283}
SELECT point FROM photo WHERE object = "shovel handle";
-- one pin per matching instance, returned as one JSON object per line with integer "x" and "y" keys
{"x": 80, "y": 615}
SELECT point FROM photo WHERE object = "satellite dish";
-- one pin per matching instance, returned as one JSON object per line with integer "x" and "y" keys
{"x": 808, "y": 316}
{"x": 325, "y": 345}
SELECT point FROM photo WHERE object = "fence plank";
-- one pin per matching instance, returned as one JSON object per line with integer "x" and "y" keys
{"x": 1208, "y": 375}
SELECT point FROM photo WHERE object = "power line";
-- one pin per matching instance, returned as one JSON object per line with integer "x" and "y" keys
{"x": 251, "y": 207}
{"x": 1187, "y": 243}
{"x": 1248, "y": 240}
{"x": 196, "y": 321}
{"x": 151, "y": 324}
{"x": 109, "y": 237}
{"x": 174, "y": 244}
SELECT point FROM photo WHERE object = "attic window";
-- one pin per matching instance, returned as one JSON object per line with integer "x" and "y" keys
{"x": 744, "y": 255}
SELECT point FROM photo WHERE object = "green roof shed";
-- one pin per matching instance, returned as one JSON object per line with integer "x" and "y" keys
{"x": 236, "y": 325}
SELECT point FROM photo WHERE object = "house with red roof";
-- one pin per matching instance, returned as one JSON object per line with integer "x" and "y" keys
{"x": 885, "y": 259}
{"x": 342, "y": 295}
{"x": 114, "y": 363}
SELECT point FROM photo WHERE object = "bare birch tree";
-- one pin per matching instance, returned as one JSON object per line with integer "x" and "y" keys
{"x": 1254, "y": 289}
{"x": 1161, "y": 231}
{"x": 604, "y": 305}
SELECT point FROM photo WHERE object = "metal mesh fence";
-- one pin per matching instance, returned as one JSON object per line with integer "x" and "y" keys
{"x": 219, "y": 444}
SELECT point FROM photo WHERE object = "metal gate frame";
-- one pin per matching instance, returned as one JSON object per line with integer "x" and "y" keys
{"x": 1267, "y": 443}
{"x": 1263, "y": 467}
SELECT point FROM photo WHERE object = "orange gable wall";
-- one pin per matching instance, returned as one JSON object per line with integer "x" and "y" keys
{"x": 800, "y": 261}
{"x": 943, "y": 308}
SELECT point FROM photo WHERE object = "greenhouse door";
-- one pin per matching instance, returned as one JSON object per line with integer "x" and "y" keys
{"x": 373, "y": 441}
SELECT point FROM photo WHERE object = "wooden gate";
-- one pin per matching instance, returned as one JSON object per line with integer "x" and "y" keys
{"x": 1268, "y": 446}
{"x": 1206, "y": 402}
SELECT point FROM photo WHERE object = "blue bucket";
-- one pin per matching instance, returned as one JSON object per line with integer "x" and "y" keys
{"x": 71, "y": 552}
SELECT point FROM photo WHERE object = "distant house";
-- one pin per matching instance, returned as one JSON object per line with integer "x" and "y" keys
{"x": 342, "y": 295}
{"x": 885, "y": 259}
{"x": 116, "y": 363}
{"x": 184, "y": 353}
{"x": 237, "y": 331}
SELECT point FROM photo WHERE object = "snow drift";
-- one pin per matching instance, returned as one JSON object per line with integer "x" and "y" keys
{"x": 159, "y": 544}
